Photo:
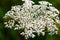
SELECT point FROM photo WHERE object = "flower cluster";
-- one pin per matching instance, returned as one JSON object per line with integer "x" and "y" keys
{"x": 33, "y": 18}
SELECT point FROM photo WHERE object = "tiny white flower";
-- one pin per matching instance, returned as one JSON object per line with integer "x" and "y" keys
{"x": 33, "y": 35}
{"x": 22, "y": 33}
{"x": 43, "y": 33}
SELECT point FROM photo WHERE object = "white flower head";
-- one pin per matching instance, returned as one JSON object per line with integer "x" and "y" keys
{"x": 33, "y": 18}
{"x": 45, "y": 3}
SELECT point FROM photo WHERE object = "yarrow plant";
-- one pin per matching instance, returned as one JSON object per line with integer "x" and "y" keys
{"x": 33, "y": 18}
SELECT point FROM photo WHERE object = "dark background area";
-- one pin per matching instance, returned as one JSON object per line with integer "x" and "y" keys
{"x": 10, "y": 34}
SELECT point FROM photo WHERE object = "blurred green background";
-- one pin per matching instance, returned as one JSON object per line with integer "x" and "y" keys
{"x": 10, "y": 34}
